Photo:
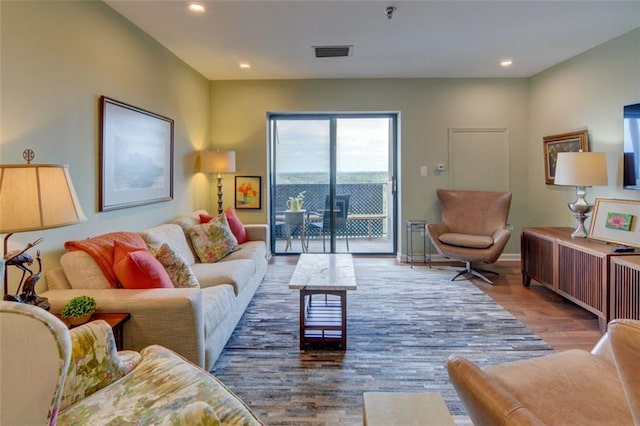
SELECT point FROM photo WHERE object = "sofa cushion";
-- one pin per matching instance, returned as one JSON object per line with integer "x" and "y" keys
{"x": 137, "y": 268}
{"x": 217, "y": 303}
{"x": 212, "y": 241}
{"x": 571, "y": 387}
{"x": 82, "y": 271}
{"x": 178, "y": 269}
{"x": 237, "y": 273}
{"x": 188, "y": 220}
{"x": 256, "y": 251}
{"x": 467, "y": 240}
{"x": 171, "y": 234}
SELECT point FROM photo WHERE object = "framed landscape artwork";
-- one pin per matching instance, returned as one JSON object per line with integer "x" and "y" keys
{"x": 566, "y": 142}
{"x": 248, "y": 192}
{"x": 616, "y": 221}
{"x": 136, "y": 156}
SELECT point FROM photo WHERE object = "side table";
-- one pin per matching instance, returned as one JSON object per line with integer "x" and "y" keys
{"x": 116, "y": 321}
{"x": 405, "y": 409}
{"x": 411, "y": 226}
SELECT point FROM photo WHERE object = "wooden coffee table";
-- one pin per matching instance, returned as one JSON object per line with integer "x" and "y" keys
{"x": 328, "y": 277}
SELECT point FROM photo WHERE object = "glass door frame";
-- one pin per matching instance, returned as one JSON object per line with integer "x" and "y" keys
{"x": 332, "y": 118}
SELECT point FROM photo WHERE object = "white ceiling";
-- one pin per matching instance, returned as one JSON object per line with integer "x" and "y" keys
{"x": 424, "y": 39}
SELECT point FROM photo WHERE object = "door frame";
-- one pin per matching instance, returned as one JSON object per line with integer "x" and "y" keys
{"x": 332, "y": 117}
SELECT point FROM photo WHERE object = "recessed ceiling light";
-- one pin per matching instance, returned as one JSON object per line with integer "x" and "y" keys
{"x": 196, "y": 7}
{"x": 506, "y": 63}
{"x": 244, "y": 65}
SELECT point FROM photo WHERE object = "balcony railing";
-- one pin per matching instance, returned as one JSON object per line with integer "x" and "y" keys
{"x": 367, "y": 206}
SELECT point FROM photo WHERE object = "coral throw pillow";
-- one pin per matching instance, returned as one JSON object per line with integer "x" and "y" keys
{"x": 237, "y": 227}
{"x": 137, "y": 268}
{"x": 212, "y": 241}
{"x": 206, "y": 218}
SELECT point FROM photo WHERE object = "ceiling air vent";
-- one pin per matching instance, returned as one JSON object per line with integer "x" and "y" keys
{"x": 332, "y": 51}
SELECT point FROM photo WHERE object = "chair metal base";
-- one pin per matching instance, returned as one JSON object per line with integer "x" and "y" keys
{"x": 477, "y": 272}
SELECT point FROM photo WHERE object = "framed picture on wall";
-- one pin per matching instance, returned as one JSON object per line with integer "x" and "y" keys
{"x": 248, "y": 192}
{"x": 566, "y": 142}
{"x": 136, "y": 156}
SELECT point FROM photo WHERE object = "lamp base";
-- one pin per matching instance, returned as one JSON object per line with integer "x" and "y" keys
{"x": 580, "y": 212}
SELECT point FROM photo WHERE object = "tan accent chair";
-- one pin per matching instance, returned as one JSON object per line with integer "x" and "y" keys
{"x": 574, "y": 387}
{"x": 473, "y": 228}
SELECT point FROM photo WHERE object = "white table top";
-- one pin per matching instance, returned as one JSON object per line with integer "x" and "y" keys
{"x": 324, "y": 272}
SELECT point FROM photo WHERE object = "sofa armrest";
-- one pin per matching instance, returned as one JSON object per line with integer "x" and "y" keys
{"x": 257, "y": 232}
{"x": 625, "y": 345}
{"x": 95, "y": 362}
{"x": 487, "y": 402}
{"x": 172, "y": 317}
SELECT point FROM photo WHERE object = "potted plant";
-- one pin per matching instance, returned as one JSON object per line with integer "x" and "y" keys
{"x": 78, "y": 310}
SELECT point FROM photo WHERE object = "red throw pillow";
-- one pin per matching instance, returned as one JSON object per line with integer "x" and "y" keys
{"x": 237, "y": 227}
{"x": 206, "y": 218}
{"x": 137, "y": 268}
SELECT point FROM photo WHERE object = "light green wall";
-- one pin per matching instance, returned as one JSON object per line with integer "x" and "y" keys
{"x": 57, "y": 58}
{"x": 427, "y": 107}
{"x": 585, "y": 92}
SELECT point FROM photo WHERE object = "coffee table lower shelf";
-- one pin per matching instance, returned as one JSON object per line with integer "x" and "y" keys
{"x": 323, "y": 317}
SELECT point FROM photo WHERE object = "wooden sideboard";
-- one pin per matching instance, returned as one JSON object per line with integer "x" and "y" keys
{"x": 625, "y": 287}
{"x": 578, "y": 269}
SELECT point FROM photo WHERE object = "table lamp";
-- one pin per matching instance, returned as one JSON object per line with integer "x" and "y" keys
{"x": 218, "y": 162}
{"x": 581, "y": 169}
{"x": 34, "y": 197}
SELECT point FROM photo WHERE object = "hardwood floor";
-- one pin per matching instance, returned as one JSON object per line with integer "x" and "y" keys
{"x": 562, "y": 324}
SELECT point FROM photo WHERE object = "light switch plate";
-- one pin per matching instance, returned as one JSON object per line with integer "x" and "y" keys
{"x": 424, "y": 171}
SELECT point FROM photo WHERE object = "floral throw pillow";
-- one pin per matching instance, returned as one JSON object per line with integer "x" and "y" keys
{"x": 178, "y": 269}
{"x": 212, "y": 241}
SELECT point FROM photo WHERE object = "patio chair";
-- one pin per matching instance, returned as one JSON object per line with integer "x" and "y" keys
{"x": 340, "y": 217}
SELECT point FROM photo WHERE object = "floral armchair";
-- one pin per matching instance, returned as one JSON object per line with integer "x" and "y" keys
{"x": 51, "y": 375}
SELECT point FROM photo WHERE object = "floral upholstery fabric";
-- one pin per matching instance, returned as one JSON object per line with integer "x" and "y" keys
{"x": 163, "y": 389}
{"x": 176, "y": 266}
{"x": 95, "y": 362}
{"x": 196, "y": 413}
{"x": 212, "y": 241}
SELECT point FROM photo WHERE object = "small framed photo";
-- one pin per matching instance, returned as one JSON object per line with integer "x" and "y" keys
{"x": 249, "y": 192}
{"x": 566, "y": 142}
{"x": 616, "y": 221}
{"x": 136, "y": 156}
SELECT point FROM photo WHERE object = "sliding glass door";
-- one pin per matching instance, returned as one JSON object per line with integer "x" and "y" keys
{"x": 332, "y": 183}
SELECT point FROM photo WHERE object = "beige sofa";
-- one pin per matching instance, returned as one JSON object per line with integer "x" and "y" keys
{"x": 194, "y": 322}
{"x": 574, "y": 387}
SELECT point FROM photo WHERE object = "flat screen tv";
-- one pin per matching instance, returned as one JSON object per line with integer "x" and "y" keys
{"x": 631, "y": 143}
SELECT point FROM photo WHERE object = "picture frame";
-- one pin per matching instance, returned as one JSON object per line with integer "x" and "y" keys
{"x": 136, "y": 156}
{"x": 565, "y": 142}
{"x": 616, "y": 221}
{"x": 248, "y": 191}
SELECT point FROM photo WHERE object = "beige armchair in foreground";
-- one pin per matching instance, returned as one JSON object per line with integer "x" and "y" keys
{"x": 50, "y": 375}
{"x": 473, "y": 228}
{"x": 574, "y": 387}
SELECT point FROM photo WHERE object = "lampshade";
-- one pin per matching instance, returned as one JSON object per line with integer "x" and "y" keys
{"x": 218, "y": 161}
{"x": 37, "y": 196}
{"x": 581, "y": 169}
